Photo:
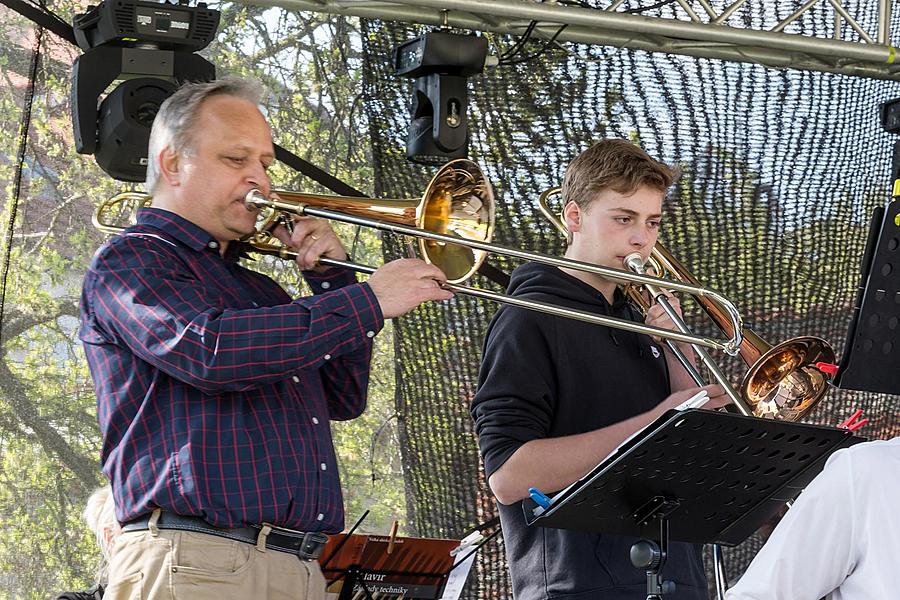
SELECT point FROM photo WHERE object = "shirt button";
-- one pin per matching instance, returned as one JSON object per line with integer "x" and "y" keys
{"x": 370, "y": 334}
{"x": 326, "y": 285}
{"x": 296, "y": 379}
{"x": 323, "y": 466}
{"x": 315, "y": 420}
{"x": 320, "y": 517}
{"x": 327, "y": 357}
{"x": 214, "y": 245}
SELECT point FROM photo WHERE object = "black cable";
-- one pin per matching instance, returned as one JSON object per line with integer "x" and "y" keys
{"x": 630, "y": 11}
{"x": 517, "y": 47}
{"x": 520, "y": 42}
{"x": 44, "y": 18}
{"x": 540, "y": 52}
{"x": 25, "y": 125}
{"x": 62, "y": 23}
{"x": 576, "y": 3}
{"x": 641, "y": 9}
{"x": 508, "y": 57}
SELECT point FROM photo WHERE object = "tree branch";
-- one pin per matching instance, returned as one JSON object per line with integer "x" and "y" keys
{"x": 18, "y": 396}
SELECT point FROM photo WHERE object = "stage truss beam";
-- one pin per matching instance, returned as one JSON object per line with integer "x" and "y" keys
{"x": 703, "y": 33}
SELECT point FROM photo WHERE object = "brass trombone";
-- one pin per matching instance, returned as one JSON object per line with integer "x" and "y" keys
{"x": 454, "y": 222}
{"x": 782, "y": 381}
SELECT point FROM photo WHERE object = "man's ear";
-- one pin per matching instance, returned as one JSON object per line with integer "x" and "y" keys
{"x": 572, "y": 215}
{"x": 170, "y": 166}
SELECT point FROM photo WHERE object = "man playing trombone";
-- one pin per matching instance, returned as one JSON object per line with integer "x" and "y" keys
{"x": 556, "y": 396}
{"x": 215, "y": 388}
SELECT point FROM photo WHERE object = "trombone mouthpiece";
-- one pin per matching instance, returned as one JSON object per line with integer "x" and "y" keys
{"x": 254, "y": 200}
{"x": 634, "y": 262}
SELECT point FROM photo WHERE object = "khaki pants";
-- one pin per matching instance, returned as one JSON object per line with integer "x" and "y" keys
{"x": 170, "y": 564}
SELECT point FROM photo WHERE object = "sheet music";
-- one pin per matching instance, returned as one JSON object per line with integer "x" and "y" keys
{"x": 458, "y": 576}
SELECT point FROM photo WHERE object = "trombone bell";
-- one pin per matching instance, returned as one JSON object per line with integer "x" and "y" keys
{"x": 458, "y": 202}
{"x": 784, "y": 383}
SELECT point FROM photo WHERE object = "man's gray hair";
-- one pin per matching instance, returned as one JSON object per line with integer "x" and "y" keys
{"x": 177, "y": 118}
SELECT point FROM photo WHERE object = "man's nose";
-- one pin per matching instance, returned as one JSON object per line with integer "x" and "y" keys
{"x": 639, "y": 238}
{"x": 259, "y": 178}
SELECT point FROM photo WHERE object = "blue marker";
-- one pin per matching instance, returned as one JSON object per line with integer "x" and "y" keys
{"x": 539, "y": 498}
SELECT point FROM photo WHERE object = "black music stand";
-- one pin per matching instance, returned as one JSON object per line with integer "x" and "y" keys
{"x": 693, "y": 476}
{"x": 871, "y": 354}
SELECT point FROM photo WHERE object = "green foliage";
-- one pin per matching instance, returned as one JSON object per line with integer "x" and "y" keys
{"x": 43, "y": 540}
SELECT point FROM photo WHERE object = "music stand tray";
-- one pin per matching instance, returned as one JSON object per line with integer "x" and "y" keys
{"x": 714, "y": 476}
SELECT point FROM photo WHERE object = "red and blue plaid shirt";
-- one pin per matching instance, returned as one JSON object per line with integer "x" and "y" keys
{"x": 214, "y": 389}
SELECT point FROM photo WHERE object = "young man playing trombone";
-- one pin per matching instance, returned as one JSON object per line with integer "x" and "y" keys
{"x": 215, "y": 388}
{"x": 556, "y": 396}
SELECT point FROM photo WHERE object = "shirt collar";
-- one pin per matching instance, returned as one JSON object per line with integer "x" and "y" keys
{"x": 191, "y": 235}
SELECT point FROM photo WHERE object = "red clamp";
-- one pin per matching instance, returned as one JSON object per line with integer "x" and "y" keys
{"x": 827, "y": 368}
{"x": 852, "y": 423}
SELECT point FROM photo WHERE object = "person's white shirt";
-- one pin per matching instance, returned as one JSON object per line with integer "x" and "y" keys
{"x": 841, "y": 539}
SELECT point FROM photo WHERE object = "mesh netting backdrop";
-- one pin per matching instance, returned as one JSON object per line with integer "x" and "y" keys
{"x": 781, "y": 172}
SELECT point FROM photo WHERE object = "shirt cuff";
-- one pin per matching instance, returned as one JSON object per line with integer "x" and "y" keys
{"x": 371, "y": 319}
{"x": 332, "y": 279}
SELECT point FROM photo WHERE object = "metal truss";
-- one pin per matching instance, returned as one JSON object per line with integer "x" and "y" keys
{"x": 699, "y": 30}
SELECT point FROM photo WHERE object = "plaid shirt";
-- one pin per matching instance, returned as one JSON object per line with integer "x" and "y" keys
{"x": 214, "y": 389}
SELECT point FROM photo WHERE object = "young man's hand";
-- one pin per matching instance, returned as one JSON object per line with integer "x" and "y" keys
{"x": 716, "y": 397}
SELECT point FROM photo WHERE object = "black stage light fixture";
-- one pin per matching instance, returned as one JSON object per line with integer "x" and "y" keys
{"x": 150, "y": 47}
{"x": 890, "y": 115}
{"x": 439, "y": 64}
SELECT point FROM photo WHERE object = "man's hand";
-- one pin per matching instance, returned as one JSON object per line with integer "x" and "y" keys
{"x": 311, "y": 239}
{"x": 401, "y": 285}
{"x": 657, "y": 317}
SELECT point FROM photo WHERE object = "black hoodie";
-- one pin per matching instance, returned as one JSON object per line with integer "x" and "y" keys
{"x": 545, "y": 376}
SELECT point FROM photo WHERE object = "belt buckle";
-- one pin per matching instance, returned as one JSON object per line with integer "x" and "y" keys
{"x": 311, "y": 543}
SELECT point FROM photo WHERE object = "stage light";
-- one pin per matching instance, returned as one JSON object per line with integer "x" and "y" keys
{"x": 890, "y": 115}
{"x": 150, "y": 47}
{"x": 439, "y": 63}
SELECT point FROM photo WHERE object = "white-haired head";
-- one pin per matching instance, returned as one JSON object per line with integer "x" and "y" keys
{"x": 177, "y": 118}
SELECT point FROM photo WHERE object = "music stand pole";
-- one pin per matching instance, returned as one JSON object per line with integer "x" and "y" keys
{"x": 651, "y": 556}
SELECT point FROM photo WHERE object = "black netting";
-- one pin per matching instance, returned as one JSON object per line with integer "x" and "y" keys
{"x": 781, "y": 172}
